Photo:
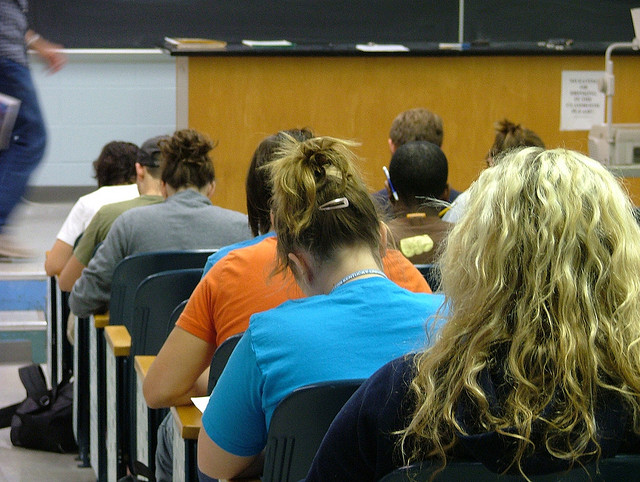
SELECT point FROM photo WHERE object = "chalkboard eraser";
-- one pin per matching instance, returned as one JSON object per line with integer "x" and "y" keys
{"x": 193, "y": 44}
{"x": 480, "y": 42}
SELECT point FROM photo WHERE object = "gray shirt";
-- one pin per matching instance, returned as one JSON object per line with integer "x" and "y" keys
{"x": 13, "y": 27}
{"x": 186, "y": 220}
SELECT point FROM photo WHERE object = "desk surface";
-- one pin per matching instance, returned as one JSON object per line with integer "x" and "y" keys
{"x": 100, "y": 321}
{"x": 188, "y": 421}
{"x": 119, "y": 340}
{"x": 142, "y": 364}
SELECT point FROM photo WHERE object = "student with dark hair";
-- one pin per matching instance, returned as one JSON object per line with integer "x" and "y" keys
{"x": 418, "y": 178}
{"x": 185, "y": 220}
{"x": 148, "y": 170}
{"x": 353, "y": 319}
{"x": 537, "y": 368}
{"x": 115, "y": 172}
{"x": 418, "y": 124}
{"x": 508, "y": 136}
{"x": 109, "y": 168}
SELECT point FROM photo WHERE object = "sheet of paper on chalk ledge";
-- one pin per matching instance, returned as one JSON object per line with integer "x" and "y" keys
{"x": 373, "y": 47}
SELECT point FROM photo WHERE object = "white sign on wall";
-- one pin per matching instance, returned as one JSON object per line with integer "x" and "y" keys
{"x": 582, "y": 104}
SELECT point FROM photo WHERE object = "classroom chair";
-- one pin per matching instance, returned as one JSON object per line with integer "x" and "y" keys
{"x": 154, "y": 301}
{"x": 621, "y": 467}
{"x": 127, "y": 275}
{"x": 220, "y": 359}
{"x": 174, "y": 316}
{"x": 299, "y": 424}
{"x": 187, "y": 419}
{"x": 431, "y": 273}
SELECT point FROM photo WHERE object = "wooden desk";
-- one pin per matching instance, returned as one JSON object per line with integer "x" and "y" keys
{"x": 187, "y": 420}
{"x": 118, "y": 345}
{"x": 145, "y": 439}
{"x": 97, "y": 395}
{"x": 81, "y": 391}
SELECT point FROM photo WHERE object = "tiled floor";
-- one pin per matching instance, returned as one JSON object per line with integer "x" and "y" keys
{"x": 35, "y": 225}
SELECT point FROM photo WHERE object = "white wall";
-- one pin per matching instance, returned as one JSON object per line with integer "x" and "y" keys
{"x": 98, "y": 97}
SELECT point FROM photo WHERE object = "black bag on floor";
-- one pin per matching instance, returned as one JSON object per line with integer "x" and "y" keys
{"x": 44, "y": 420}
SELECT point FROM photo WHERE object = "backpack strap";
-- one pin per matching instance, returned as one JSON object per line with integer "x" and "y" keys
{"x": 6, "y": 414}
{"x": 34, "y": 382}
{"x": 141, "y": 469}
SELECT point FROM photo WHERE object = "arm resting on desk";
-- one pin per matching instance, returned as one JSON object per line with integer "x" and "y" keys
{"x": 179, "y": 372}
{"x": 57, "y": 257}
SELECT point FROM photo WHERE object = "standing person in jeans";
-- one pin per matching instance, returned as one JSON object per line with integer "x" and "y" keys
{"x": 27, "y": 145}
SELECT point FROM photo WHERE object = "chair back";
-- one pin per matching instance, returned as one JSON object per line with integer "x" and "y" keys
{"x": 130, "y": 272}
{"x": 220, "y": 358}
{"x": 431, "y": 273}
{"x": 299, "y": 424}
{"x": 177, "y": 311}
{"x": 620, "y": 467}
{"x": 155, "y": 300}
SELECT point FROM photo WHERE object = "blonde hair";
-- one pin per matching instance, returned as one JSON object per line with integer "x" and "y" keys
{"x": 307, "y": 175}
{"x": 542, "y": 280}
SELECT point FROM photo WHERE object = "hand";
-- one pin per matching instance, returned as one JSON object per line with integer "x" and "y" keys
{"x": 51, "y": 53}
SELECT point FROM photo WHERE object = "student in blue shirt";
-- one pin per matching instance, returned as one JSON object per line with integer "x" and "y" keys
{"x": 352, "y": 321}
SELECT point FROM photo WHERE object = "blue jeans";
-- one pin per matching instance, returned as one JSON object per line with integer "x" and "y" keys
{"x": 28, "y": 141}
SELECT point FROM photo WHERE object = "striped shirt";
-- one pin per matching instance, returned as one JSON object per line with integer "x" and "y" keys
{"x": 13, "y": 27}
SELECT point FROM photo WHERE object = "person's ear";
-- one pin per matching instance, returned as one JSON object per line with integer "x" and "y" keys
{"x": 446, "y": 193}
{"x": 212, "y": 188}
{"x": 140, "y": 171}
{"x": 302, "y": 271}
{"x": 392, "y": 146}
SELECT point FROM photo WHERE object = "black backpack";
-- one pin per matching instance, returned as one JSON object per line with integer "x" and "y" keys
{"x": 44, "y": 420}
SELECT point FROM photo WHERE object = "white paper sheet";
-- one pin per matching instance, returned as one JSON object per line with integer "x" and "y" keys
{"x": 200, "y": 402}
{"x": 582, "y": 104}
{"x": 371, "y": 47}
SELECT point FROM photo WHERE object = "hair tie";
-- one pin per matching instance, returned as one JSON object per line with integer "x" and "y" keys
{"x": 338, "y": 203}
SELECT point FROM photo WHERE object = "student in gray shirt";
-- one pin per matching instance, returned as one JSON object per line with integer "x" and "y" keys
{"x": 185, "y": 220}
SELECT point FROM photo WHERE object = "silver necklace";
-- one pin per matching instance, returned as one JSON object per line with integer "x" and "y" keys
{"x": 355, "y": 274}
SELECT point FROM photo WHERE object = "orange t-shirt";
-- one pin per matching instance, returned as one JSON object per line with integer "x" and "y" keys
{"x": 242, "y": 283}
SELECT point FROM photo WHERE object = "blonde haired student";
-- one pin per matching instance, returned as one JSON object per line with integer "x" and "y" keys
{"x": 537, "y": 368}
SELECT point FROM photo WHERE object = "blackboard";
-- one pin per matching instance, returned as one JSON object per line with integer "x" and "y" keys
{"x": 604, "y": 21}
{"x": 144, "y": 23}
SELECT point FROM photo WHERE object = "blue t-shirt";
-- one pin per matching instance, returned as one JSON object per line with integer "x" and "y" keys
{"x": 222, "y": 252}
{"x": 347, "y": 334}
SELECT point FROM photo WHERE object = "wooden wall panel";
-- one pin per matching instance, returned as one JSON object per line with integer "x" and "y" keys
{"x": 240, "y": 100}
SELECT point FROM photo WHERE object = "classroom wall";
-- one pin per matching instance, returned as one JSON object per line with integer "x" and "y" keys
{"x": 240, "y": 100}
{"x": 98, "y": 97}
